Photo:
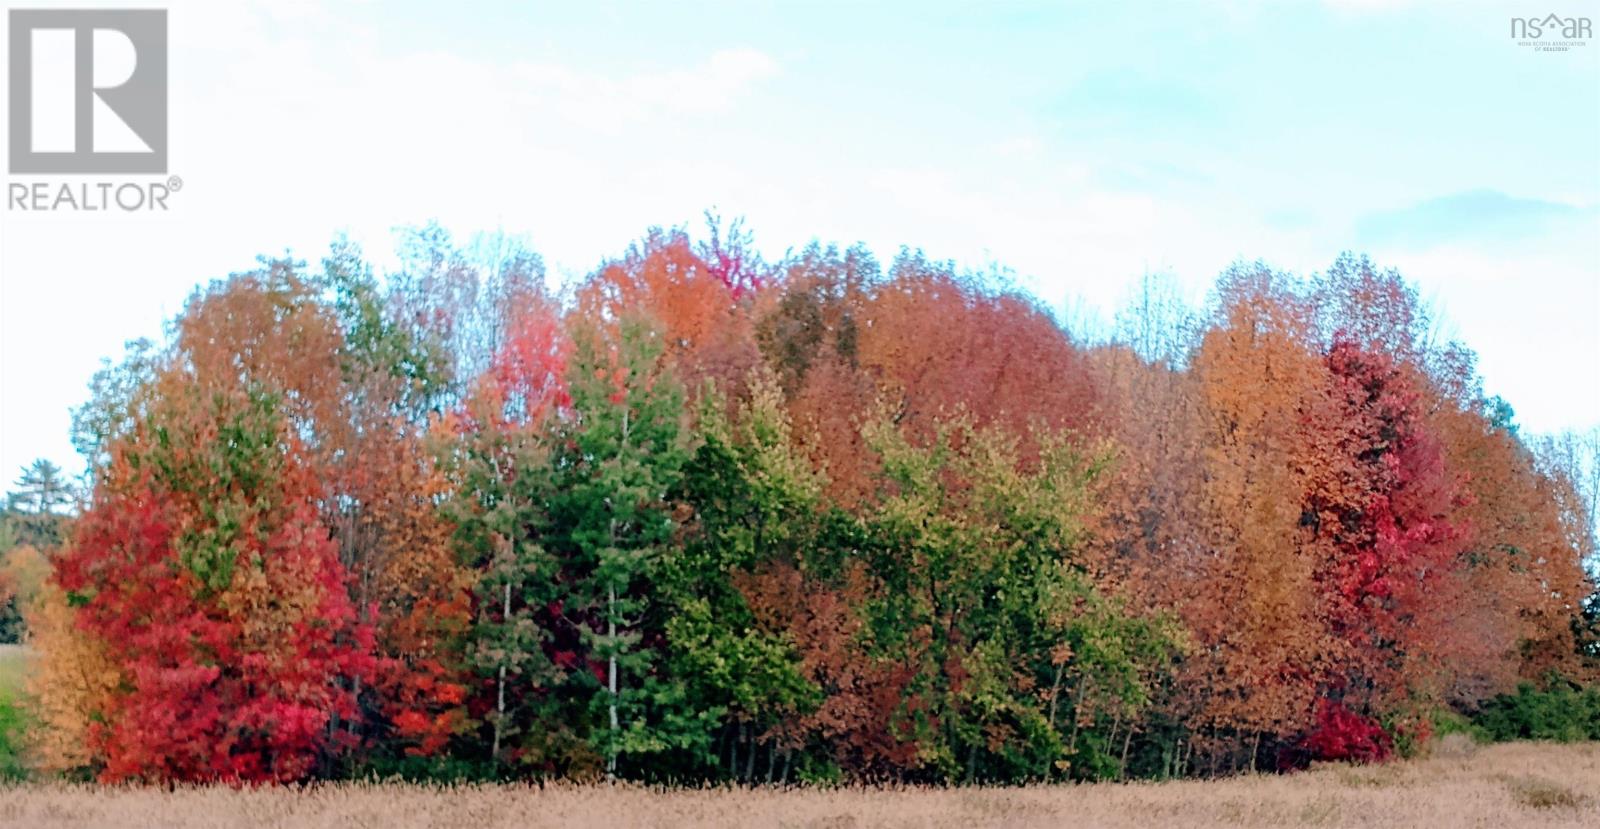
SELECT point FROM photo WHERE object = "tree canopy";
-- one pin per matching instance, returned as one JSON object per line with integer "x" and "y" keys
{"x": 704, "y": 517}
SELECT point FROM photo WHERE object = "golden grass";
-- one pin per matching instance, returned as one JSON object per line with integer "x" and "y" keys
{"x": 1522, "y": 784}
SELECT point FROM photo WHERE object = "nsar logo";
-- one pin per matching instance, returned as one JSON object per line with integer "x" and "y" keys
{"x": 1566, "y": 33}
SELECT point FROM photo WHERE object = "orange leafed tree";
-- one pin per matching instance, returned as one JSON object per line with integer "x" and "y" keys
{"x": 1258, "y": 610}
{"x": 698, "y": 297}
{"x": 202, "y": 559}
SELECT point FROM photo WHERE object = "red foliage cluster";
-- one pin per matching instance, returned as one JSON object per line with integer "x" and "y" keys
{"x": 215, "y": 687}
{"x": 1343, "y": 735}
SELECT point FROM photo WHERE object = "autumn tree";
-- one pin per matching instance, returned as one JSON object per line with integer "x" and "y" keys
{"x": 24, "y": 570}
{"x": 937, "y": 341}
{"x": 696, "y": 294}
{"x": 1380, "y": 513}
{"x": 1257, "y": 612}
{"x": 203, "y": 560}
{"x": 72, "y": 687}
{"x": 385, "y": 484}
{"x": 709, "y": 518}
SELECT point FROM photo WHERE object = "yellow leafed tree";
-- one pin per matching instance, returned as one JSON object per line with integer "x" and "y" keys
{"x": 68, "y": 686}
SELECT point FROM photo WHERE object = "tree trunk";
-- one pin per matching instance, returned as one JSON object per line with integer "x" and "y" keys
{"x": 723, "y": 744}
{"x": 1077, "y": 717}
{"x": 1122, "y": 767}
{"x": 1055, "y": 701}
{"x": 1116, "y": 723}
{"x": 750, "y": 755}
{"x": 611, "y": 677}
{"x": 1055, "y": 694}
{"x": 500, "y": 700}
{"x": 611, "y": 631}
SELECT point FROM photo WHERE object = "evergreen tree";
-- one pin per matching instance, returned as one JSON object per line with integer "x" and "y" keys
{"x": 500, "y": 527}
{"x": 42, "y": 488}
{"x": 622, "y": 454}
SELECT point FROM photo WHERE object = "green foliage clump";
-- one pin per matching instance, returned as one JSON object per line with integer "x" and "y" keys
{"x": 1446, "y": 722}
{"x": 13, "y": 732}
{"x": 1563, "y": 712}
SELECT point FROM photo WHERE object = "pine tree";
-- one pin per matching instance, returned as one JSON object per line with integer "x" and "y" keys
{"x": 42, "y": 489}
{"x": 500, "y": 529}
{"x": 622, "y": 455}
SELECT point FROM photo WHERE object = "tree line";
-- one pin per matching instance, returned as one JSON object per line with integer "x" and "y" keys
{"x": 703, "y": 517}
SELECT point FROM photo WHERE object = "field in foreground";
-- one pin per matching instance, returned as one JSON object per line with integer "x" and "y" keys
{"x": 1518, "y": 784}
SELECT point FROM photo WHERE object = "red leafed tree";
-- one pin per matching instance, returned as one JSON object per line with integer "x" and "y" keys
{"x": 527, "y": 372}
{"x": 420, "y": 596}
{"x": 1380, "y": 505}
{"x": 203, "y": 563}
{"x": 730, "y": 255}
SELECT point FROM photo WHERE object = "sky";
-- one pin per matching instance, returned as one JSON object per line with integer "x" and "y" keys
{"x": 1080, "y": 145}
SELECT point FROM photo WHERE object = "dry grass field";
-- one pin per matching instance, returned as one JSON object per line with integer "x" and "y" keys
{"x": 1509, "y": 785}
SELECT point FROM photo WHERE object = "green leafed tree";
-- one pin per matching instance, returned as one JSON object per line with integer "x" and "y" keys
{"x": 621, "y": 453}
{"x": 756, "y": 505}
{"x": 985, "y": 586}
{"x": 501, "y": 526}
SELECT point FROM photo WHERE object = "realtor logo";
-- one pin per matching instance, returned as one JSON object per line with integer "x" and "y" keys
{"x": 88, "y": 91}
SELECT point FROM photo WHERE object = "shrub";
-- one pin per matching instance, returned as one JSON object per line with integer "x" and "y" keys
{"x": 1448, "y": 723}
{"x": 1342, "y": 734}
{"x": 1563, "y": 713}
